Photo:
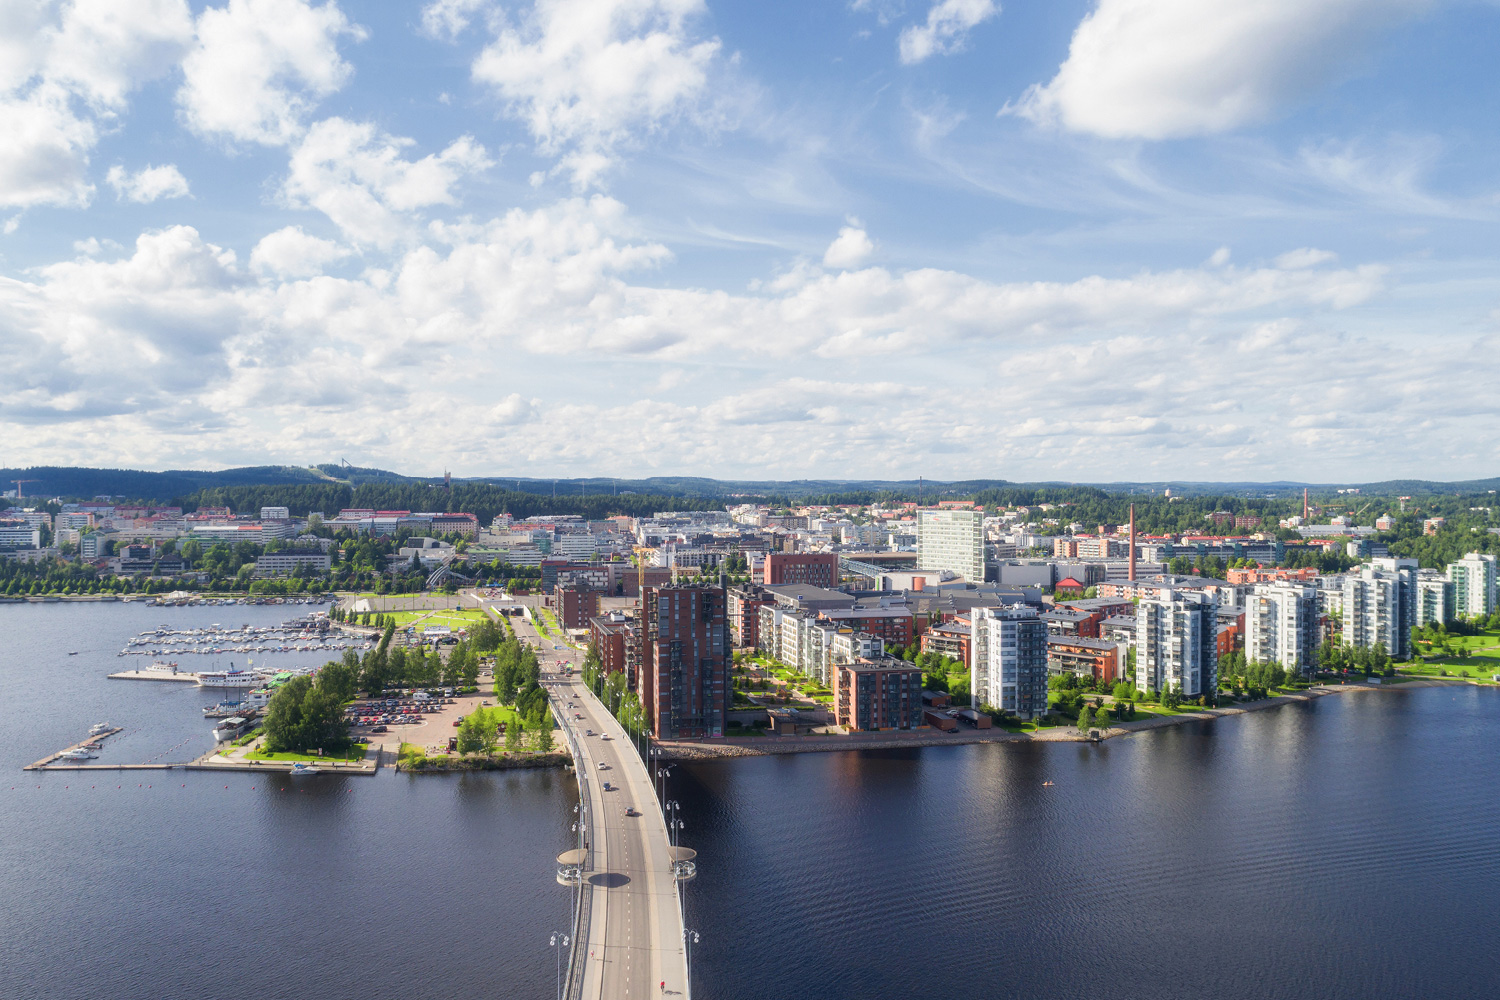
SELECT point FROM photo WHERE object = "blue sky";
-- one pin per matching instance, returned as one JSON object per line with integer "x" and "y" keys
{"x": 1076, "y": 239}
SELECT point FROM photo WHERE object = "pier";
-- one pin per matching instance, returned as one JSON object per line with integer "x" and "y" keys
{"x": 47, "y": 762}
{"x": 154, "y": 675}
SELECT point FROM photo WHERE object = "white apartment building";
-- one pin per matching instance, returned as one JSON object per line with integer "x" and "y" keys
{"x": 1434, "y": 598}
{"x": 1473, "y": 579}
{"x": 1380, "y": 606}
{"x": 1009, "y": 669}
{"x": 72, "y": 520}
{"x": 952, "y": 540}
{"x": 19, "y": 535}
{"x": 1281, "y": 625}
{"x": 1176, "y": 643}
{"x": 275, "y": 514}
{"x": 283, "y": 563}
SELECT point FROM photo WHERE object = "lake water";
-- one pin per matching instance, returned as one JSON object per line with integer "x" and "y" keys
{"x": 1345, "y": 848}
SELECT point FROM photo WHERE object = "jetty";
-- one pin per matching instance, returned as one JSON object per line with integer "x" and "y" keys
{"x": 47, "y": 762}
{"x": 155, "y": 675}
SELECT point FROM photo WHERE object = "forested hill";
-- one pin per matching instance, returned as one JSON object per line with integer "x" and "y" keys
{"x": 330, "y": 486}
{"x": 480, "y": 499}
{"x": 129, "y": 484}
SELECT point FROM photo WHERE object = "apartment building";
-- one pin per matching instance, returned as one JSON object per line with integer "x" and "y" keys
{"x": 1435, "y": 598}
{"x": 883, "y": 693}
{"x": 1176, "y": 645}
{"x": 1473, "y": 579}
{"x": 1380, "y": 606}
{"x": 289, "y": 563}
{"x": 614, "y": 636}
{"x": 1100, "y": 659}
{"x": 1282, "y": 626}
{"x": 684, "y": 673}
{"x": 575, "y": 606}
{"x": 1009, "y": 650}
{"x": 744, "y": 614}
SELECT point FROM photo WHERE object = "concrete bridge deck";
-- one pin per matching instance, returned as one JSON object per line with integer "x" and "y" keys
{"x": 630, "y": 940}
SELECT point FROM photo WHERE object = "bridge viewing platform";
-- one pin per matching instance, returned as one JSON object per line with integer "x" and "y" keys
{"x": 628, "y": 943}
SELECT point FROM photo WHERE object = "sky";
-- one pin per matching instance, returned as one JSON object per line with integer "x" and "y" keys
{"x": 1086, "y": 240}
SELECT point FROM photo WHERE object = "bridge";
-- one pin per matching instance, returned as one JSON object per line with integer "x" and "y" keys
{"x": 628, "y": 938}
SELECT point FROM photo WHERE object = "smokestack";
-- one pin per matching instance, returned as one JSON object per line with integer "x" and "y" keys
{"x": 1132, "y": 542}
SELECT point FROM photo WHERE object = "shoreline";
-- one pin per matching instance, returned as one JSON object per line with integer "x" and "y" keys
{"x": 763, "y": 746}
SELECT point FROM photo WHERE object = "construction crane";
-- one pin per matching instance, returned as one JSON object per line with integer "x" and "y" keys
{"x": 19, "y": 493}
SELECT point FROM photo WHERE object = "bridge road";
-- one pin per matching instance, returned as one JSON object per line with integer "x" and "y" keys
{"x": 634, "y": 939}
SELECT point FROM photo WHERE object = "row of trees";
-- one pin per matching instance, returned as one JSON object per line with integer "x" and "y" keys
{"x": 614, "y": 691}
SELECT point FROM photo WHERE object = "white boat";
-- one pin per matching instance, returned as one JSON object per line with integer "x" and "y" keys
{"x": 300, "y": 768}
{"x": 77, "y": 754}
{"x": 102, "y": 727}
{"x": 227, "y": 679}
{"x": 231, "y": 728}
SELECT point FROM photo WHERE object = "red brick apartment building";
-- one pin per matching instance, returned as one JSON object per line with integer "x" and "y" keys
{"x": 818, "y": 569}
{"x": 575, "y": 606}
{"x": 684, "y": 673}
{"x": 877, "y": 694}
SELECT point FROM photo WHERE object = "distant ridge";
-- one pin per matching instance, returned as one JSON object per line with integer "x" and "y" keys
{"x": 178, "y": 483}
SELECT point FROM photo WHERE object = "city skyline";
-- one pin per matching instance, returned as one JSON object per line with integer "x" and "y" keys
{"x": 1136, "y": 241}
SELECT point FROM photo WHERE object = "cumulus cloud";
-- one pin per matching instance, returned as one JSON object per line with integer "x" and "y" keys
{"x": 1157, "y": 69}
{"x": 65, "y": 74}
{"x": 447, "y": 19}
{"x": 584, "y": 75}
{"x": 292, "y": 253}
{"x": 173, "y": 340}
{"x": 946, "y": 29}
{"x": 358, "y": 177}
{"x": 1305, "y": 257}
{"x": 147, "y": 185}
{"x": 851, "y": 248}
{"x": 259, "y": 67}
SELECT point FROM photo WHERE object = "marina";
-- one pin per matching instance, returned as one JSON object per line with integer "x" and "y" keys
{"x": 314, "y": 633}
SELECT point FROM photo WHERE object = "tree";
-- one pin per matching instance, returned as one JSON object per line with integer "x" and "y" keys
{"x": 513, "y": 734}
{"x": 470, "y": 739}
{"x": 1085, "y": 719}
{"x": 304, "y": 715}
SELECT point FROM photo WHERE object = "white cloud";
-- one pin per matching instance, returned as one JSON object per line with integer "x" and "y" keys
{"x": 357, "y": 176}
{"x": 584, "y": 75}
{"x": 292, "y": 253}
{"x": 147, "y": 185}
{"x": 447, "y": 19}
{"x": 104, "y": 48}
{"x": 260, "y": 66}
{"x": 946, "y": 30}
{"x": 851, "y": 248}
{"x": 171, "y": 351}
{"x": 65, "y": 73}
{"x": 1156, "y": 69}
{"x": 1305, "y": 257}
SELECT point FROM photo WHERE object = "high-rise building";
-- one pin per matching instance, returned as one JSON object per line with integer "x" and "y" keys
{"x": 1281, "y": 626}
{"x": 1009, "y": 670}
{"x": 1473, "y": 579}
{"x": 1434, "y": 598}
{"x": 1380, "y": 606}
{"x": 952, "y": 540}
{"x": 1176, "y": 643}
{"x": 275, "y": 513}
{"x": 684, "y": 669}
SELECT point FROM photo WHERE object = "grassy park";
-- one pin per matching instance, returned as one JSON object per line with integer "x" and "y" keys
{"x": 354, "y": 753}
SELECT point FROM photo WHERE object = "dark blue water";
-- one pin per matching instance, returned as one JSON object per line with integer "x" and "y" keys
{"x": 181, "y": 884}
{"x": 1347, "y": 848}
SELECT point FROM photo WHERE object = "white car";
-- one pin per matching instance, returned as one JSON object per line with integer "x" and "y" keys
{"x": 603, "y": 766}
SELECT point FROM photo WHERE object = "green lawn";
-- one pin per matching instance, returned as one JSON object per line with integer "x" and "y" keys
{"x": 353, "y": 754}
